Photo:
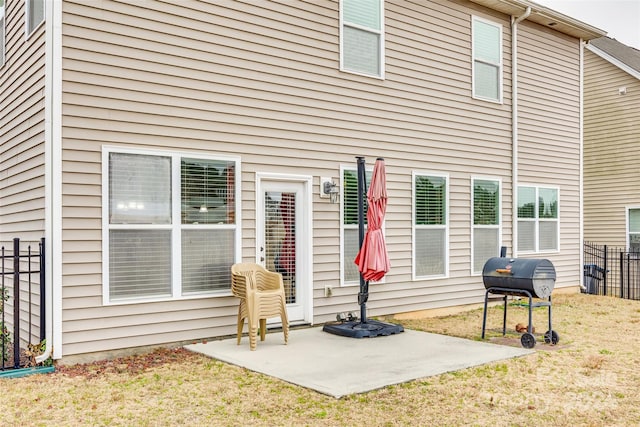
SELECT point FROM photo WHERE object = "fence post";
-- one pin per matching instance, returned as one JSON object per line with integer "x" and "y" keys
{"x": 621, "y": 274}
{"x": 43, "y": 317}
{"x": 16, "y": 302}
{"x": 604, "y": 273}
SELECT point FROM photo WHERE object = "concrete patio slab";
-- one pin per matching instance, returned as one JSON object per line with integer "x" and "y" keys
{"x": 339, "y": 366}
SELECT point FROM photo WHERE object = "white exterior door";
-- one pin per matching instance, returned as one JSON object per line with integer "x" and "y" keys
{"x": 283, "y": 243}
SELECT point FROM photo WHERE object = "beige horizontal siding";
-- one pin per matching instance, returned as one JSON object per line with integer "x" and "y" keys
{"x": 611, "y": 150}
{"x": 549, "y": 133}
{"x": 22, "y": 182}
{"x": 261, "y": 81}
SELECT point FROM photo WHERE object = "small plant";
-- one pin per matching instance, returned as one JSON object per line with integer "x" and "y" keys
{"x": 5, "y": 337}
{"x": 35, "y": 350}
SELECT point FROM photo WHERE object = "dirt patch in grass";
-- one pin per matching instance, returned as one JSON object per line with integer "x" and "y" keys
{"x": 589, "y": 378}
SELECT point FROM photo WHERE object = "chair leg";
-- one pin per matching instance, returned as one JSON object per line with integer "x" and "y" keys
{"x": 263, "y": 329}
{"x": 285, "y": 320}
{"x": 253, "y": 331}
{"x": 240, "y": 324}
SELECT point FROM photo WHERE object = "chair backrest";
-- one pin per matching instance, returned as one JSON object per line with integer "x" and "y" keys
{"x": 243, "y": 274}
{"x": 254, "y": 276}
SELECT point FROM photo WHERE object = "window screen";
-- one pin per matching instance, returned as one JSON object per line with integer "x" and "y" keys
{"x": 149, "y": 248}
{"x": 35, "y": 14}
{"x": 634, "y": 230}
{"x": 430, "y": 225}
{"x": 486, "y": 222}
{"x": 362, "y": 36}
{"x": 538, "y": 224}
{"x": 2, "y": 32}
{"x": 487, "y": 60}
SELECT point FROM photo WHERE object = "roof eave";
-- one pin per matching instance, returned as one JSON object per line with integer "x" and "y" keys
{"x": 545, "y": 16}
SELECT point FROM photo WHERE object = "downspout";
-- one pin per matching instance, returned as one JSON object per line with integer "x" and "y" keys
{"x": 514, "y": 129}
{"x": 581, "y": 136}
{"x": 53, "y": 179}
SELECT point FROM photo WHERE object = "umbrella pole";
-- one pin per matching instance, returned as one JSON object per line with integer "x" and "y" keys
{"x": 363, "y": 296}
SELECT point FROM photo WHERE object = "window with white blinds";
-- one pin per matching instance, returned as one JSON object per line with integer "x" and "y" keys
{"x": 430, "y": 225}
{"x": 350, "y": 225}
{"x": 633, "y": 225}
{"x": 487, "y": 60}
{"x": 171, "y": 225}
{"x": 538, "y": 223}
{"x": 486, "y": 222}
{"x": 34, "y": 15}
{"x": 362, "y": 36}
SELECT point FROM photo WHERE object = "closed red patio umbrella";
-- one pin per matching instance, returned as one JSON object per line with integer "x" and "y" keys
{"x": 373, "y": 259}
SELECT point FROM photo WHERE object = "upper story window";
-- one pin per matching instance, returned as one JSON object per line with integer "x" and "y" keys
{"x": 35, "y": 14}
{"x": 633, "y": 227}
{"x": 538, "y": 224}
{"x": 487, "y": 60}
{"x": 430, "y": 225}
{"x": 170, "y": 228}
{"x": 362, "y": 37}
{"x": 486, "y": 222}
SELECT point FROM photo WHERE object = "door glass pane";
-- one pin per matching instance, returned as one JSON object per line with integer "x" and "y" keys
{"x": 280, "y": 238}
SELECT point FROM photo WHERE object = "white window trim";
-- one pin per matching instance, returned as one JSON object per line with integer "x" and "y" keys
{"x": 381, "y": 32}
{"x": 176, "y": 228}
{"x": 500, "y": 65}
{"x": 628, "y": 224}
{"x": 26, "y": 19}
{"x": 473, "y": 226}
{"x": 537, "y": 220}
{"x": 414, "y": 276}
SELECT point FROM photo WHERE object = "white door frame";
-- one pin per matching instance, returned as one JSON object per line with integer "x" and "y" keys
{"x": 304, "y": 239}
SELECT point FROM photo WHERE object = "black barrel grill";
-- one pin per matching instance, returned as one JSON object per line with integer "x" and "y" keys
{"x": 531, "y": 278}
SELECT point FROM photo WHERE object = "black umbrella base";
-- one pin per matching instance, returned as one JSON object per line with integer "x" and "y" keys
{"x": 358, "y": 329}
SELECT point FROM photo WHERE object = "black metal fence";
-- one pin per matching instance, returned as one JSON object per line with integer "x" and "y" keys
{"x": 22, "y": 303}
{"x": 612, "y": 271}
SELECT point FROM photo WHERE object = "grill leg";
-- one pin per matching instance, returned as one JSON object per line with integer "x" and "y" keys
{"x": 550, "y": 328}
{"x": 484, "y": 317}
{"x": 530, "y": 327}
{"x": 504, "y": 318}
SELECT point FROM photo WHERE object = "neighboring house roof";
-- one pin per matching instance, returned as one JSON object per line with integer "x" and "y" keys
{"x": 622, "y": 56}
{"x": 545, "y": 16}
